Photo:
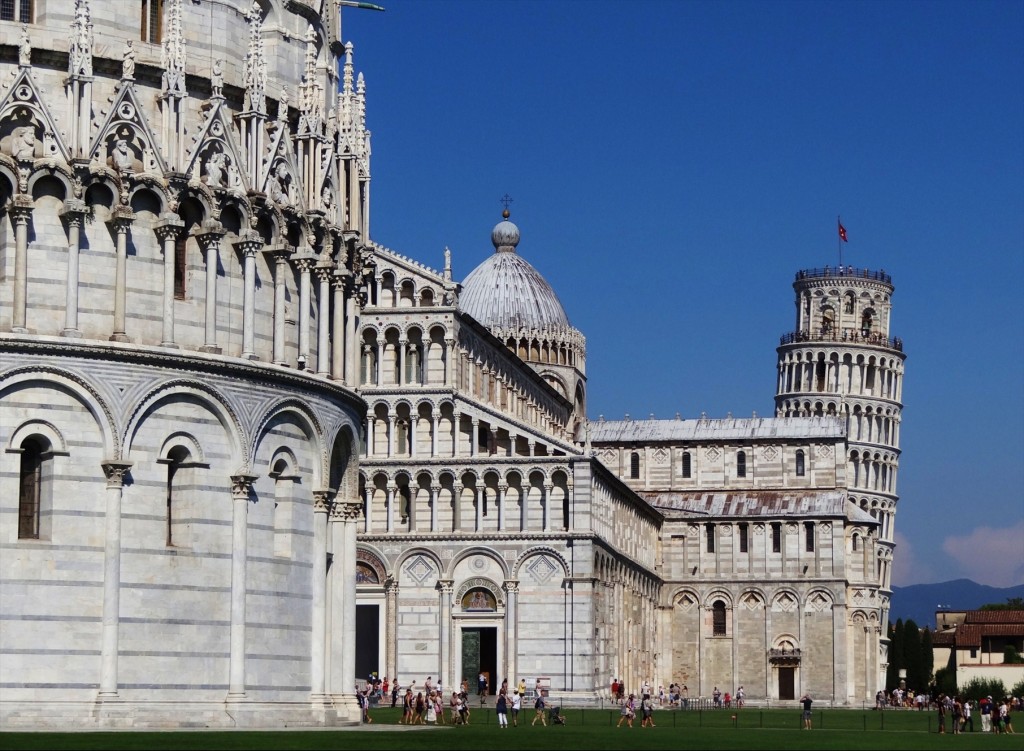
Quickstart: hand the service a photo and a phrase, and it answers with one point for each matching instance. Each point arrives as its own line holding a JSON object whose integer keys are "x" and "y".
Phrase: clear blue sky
{"x": 673, "y": 164}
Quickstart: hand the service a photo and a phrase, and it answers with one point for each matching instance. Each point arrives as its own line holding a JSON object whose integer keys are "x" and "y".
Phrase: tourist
{"x": 806, "y": 701}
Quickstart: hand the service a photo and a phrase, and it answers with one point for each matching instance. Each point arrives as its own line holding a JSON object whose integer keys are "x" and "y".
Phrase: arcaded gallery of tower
{"x": 251, "y": 456}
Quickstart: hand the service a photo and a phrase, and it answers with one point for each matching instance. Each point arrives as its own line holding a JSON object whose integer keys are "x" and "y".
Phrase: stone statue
{"x": 327, "y": 199}
{"x": 25, "y": 50}
{"x": 23, "y": 142}
{"x": 277, "y": 189}
{"x": 217, "y": 78}
{"x": 215, "y": 170}
{"x": 128, "y": 66}
{"x": 234, "y": 177}
{"x": 122, "y": 156}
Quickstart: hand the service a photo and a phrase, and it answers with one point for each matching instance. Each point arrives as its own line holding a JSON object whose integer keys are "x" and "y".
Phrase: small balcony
{"x": 846, "y": 336}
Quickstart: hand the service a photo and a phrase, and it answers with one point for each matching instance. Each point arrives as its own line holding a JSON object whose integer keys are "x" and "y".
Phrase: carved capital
{"x": 324, "y": 271}
{"x": 74, "y": 211}
{"x": 250, "y": 243}
{"x": 511, "y": 586}
{"x": 305, "y": 259}
{"x": 210, "y": 233}
{"x": 169, "y": 227}
{"x": 446, "y": 586}
{"x": 241, "y": 486}
{"x": 115, "y": 471}
{"x": 321, "y": 501}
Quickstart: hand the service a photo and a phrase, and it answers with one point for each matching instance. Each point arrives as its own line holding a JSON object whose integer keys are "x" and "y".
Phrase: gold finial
{"x": 506, "y": 200}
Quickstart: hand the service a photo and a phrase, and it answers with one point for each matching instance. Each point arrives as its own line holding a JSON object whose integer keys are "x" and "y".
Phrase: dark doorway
{"x": 367, "y": 641}
{"x": 480, "y": 655}
{"x": 787, "y": 683}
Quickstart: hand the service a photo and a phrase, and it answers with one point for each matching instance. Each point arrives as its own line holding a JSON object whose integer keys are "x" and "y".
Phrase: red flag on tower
{"x": 842, "y": 232}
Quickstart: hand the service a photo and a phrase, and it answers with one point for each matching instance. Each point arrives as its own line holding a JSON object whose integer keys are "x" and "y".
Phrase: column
{"x": 321, "y": 506}
{"x": 380, "y": 363}
{"x": 369, "y": 508}
{"x": 122, "y": 220}
{"x": 352, "y": 349}
{"x": 546, "y": 504}
{"x": 473, "y": 436}
{"x": 511, "y": 588}
{"x": 449, "y": 364}
{"x": 500, "y": 500}
{"x": 348, "y": 561}
{"x": 391, "y": 506}
{"x": 249, "y": 245}
{"x": 478, "y": 520}
{"x": 434, "y": 490}
{"x": 324, "y": 272}
{"x": 392, "y": 428}
{"x": 241, "y": 488}
{"x": 115, "y": 472}
{"x": 277, "y": 256}
{"x": 339, "y": 278}
{"x": 167, "y": 231}
{"x": 456, "y": 419}
{"x": 413, "y": 419}
{"x": 391, "y": 626}
{"x": 209, "y": 238}
{"x": 435, "y": 417}
{"x": 400, "y": 353}
{"x": 445, "y": 587}
{"x": 371, "y": 437}
{"x": 366, "y": 371}
{"x": 304, "y": 260}
{"x": 21, "y": 212}
{"x": 74, "y": 212}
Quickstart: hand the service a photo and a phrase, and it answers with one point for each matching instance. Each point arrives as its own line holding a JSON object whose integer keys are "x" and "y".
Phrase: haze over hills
{"x": 918, "y": 602}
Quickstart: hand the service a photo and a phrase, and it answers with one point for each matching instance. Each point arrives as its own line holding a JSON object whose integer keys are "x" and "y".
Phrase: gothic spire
{"x": 80, "y": 46}
{"x": 173, "y": 53}
{"x": 255, "y": 64}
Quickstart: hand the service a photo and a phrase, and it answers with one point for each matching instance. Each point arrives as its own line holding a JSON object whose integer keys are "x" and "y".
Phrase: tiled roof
{"x": 760, "y": 503}
{"x": 995, "y": 616}
{"x": 642, "y": 431}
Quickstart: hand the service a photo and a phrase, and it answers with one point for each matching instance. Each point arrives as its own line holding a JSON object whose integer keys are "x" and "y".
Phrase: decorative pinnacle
{"x": 506, "y": 200}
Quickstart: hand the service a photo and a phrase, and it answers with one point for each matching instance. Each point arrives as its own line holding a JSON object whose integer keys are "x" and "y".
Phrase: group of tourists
{"x": 957, "y": 712}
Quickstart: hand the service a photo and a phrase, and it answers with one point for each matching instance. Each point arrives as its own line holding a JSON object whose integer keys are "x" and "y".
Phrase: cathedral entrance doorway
{"x": 367, "y": 641}
{"x": 480, "y": 655}
{"x": 787, "y": 683}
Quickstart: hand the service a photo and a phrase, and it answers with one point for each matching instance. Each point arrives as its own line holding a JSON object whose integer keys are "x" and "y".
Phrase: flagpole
{"x": 839, "y": 240}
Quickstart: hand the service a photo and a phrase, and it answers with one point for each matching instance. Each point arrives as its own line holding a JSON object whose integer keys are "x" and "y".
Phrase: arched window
{"x": 800, "y": 463}
{"x": 744, "y": 536}
{"x": 848, "y": 303}
{"x": 718, "y": 618}
{"x": 865, "y": 323}
{"x": 809, "y": 536}
{"x": 856, "y": 542}
{"x": 151, "y": 21}
{"x": 176, "y": 457}
{"x": 35, "y": 474}
{"x": 776, "y": 537}
{"x": 180, "y": 266}
{"x": 634, "y": 466}
{"x": 741, "y": 464}
{"x": 710, "y": 530}
{"x": 687, "y": 465}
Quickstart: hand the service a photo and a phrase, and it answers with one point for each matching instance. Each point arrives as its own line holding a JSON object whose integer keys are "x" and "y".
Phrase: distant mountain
{"x": 918, "y": 602}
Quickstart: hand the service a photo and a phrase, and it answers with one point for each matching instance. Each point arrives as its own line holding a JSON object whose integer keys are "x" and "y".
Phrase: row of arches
{"x": 511, "y": 500}
{"x": 387, "y": 291}
{"x": 840, "y": 373}
{"x": 439, "y": 429}
{"x": 873, "y": 471}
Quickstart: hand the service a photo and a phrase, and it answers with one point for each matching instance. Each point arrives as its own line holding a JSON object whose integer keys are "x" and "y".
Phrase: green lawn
{"x": 585, "y": 729}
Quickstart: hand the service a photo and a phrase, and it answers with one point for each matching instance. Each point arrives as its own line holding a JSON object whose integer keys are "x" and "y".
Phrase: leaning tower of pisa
{"x": 842, "y": 359}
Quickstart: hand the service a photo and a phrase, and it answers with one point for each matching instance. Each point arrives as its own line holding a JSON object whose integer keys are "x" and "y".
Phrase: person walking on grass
{"x": 806, "y": 701}
{"x": 628, "y": 712}
{"x": 517, "y": 704}
{"x": 647, "y": 709}
{"x": 539, "y": 705}
{"x": 501, "y": 707}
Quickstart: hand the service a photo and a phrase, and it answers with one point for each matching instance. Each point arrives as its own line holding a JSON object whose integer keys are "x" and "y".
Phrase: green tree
{"x": 896, "y": 656}
{"x": 1011, "y": 656}
{"x": 916, "y": 675}
{"x": 927, "y": 656}
{"x": 1012, "y": 603}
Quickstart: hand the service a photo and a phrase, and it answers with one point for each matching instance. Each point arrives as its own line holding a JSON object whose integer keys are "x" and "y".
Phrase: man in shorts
{"x": 806, "y": 701}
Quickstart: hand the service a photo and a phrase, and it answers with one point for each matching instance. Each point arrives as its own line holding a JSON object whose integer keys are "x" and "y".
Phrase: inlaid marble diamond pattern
{"x": 541, "y": 569}
{"x": 419, "y": 569}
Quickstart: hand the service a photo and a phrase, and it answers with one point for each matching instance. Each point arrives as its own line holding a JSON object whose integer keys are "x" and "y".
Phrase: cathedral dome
{"x": 506, "y": 292}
